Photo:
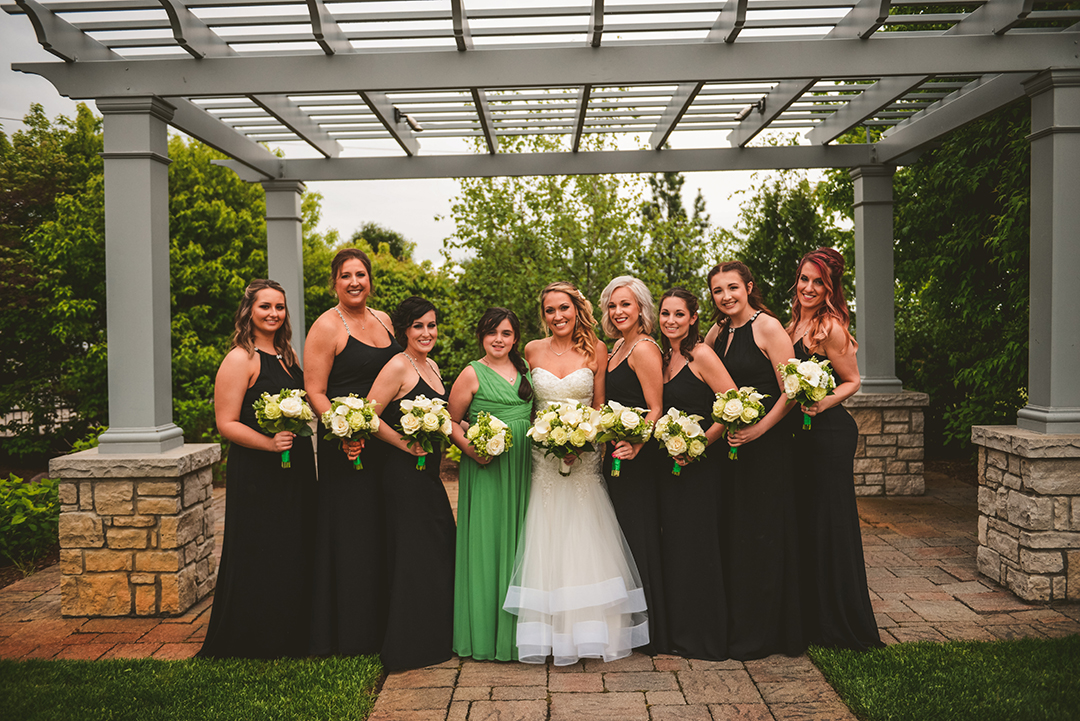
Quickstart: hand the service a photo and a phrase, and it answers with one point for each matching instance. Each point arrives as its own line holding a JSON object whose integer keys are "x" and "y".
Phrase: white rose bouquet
{"x": 284, "y": 411}
{"x": 489, "y": 436}
{"x": 738, "y": 408}
{"x": 565, "y": 428}
{"x": 681, "y": 435}
{"x": 350, "y": 418}
{"x": 807, "y": 382}
{"x": 427, "y": 422}
{"x": 620, "y": 423}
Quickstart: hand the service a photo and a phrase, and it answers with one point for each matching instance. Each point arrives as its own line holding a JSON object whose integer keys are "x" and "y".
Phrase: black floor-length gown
{"x": 694, "y": 593}
{"x": 351, "y": 597}
{"x": 633, "y": 494}
{"x": 421, "y": 538}
{"x": 760, "y": 552}
{"x": 836, "y": 603}
{"x": 263, "y": 596}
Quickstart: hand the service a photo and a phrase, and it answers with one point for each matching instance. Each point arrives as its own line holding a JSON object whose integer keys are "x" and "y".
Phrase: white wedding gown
{"x": 575, "y": 588}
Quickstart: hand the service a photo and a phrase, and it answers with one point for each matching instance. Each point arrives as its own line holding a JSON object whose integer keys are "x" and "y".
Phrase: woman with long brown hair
{"x": 836, "y": 603}
{"x": 262, "y": 599}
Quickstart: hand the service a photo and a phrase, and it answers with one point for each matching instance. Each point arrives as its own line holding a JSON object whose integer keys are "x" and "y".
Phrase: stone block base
{"x": 136, "y": 531}
{"x": 889, "y": 457}
{"x": 1029, "y": 511}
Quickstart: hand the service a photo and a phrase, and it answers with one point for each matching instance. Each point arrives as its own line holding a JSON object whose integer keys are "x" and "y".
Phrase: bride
{"x": 575, "y": 588}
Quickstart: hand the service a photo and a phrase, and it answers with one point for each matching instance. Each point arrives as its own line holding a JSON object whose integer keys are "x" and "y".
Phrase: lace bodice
{"x": 575, "y": 387}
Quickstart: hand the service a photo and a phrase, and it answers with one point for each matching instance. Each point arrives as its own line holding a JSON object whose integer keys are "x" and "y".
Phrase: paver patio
{"x": 920, "y": 557}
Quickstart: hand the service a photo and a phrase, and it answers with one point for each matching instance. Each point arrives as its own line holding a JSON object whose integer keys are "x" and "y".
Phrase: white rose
{"x": 732, "y": 409}
{"x": 407, "y": 406}
{"x": 559, "y": 436}
{"x": 271, "y": 410}
{"x": 473, "y": 432}
{"x": 430, "y": 422}
{"x": 718, "y": 407}
{"x": 410, "y": 423}
{"x": 445, "y": 428}
{"x": 339, "y": 426}
{"x": 676, "y": 446}
{"x": 356, "y": 420}
{"x": 810, "y": 371}
{"x": 497, "y": 425}
{"x": 607, "y": 420}
{"x": 496, "y": 445}
{"x": 791, "y": 385}
{"x": 579, "y": 438}
{"x": 748, "y": 414}
{"x": 291, "y": 407}
{"x": 630, "y": 419}
{"x": 696, "y": 448}
{"x": 353, "y": 402}
{"x": 306, "y": 414}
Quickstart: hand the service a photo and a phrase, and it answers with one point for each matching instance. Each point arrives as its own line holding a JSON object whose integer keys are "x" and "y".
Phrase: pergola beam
{"x": 729, "y": 23}
{"x": 769, "y": 109}
{"x": 581, "y": 112}
{"x": 427, "y": 71}
{"x": 487, "y": 121}
{"x": 596, "y": 23}
{"x": 681, "y": 100}
{"x": 61, "y": 38}
{"x": 384, "y": 110}
{"x": 863, "y": 20}
{"x": 978, "y": 98}
{"x": 191, "y": 119}
{"x": 871, "y": 101}
{"x": 462, "y": 35}
{"x": 327, "y": 32}
{"x": 192, "y": 34}
{"x": 995, "y": 17}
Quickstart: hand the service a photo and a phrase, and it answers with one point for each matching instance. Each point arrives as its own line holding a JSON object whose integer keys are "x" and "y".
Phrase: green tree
{"x": 375, "y": 235}
{"x": 679, "y": 251}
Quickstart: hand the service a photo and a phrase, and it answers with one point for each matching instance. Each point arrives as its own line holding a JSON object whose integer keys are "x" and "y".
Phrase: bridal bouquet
{"x": 350, "y": 418}
{"x": 620, "y": 423}
{"x": 807, "y": 382}
{"x": 427, "y": 422}
{"x": 284, "y": 411}
{"x": 489, "y": 436}
{"x": 737, "y": 409}
{"x": 681, "y": 435}
{"x": 565, "y": 428}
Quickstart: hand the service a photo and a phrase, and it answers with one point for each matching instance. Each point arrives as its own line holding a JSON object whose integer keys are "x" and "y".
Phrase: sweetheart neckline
{"x": 562, "y": 378}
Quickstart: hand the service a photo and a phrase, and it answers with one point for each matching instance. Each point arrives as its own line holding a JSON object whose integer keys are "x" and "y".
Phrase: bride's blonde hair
{"x": 583, "y": 335}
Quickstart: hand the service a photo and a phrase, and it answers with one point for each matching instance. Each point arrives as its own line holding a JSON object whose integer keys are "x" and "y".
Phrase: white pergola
{"x": 237, "y": 73}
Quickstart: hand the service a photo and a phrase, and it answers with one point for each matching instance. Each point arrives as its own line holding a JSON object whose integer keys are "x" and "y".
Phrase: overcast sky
{"x": 407, "y": 206}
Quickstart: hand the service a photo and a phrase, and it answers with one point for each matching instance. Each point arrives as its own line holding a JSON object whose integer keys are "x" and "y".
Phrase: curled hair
{"x": 693, "y": 333}
{"x": 583, "y": 336}
{"x": 244, "y": 329}
{"x": 830, "y": 264}
{"x": 646, "y": 307}
{"x": 351, "y": 254}
{"x": 489, "y": 323}
{"x": 408, "y": 311}
{"x": 753, "y": 295}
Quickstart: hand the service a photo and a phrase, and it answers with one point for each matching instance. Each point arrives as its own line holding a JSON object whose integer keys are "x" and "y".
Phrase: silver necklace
{"x": 551, "y": 346}
{"x": 360, "y": 320}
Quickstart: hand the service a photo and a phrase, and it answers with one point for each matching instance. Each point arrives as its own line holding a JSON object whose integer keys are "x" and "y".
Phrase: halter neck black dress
{"x": 351, "y": 599}
{"x": 634, "y": 496}
{"x": 757, "y": 508}
{"x": 836, "y": 603}
{"x": 421, "y": 538}
{"x": 693, "y": 563}
{"x": 262, "y": 600}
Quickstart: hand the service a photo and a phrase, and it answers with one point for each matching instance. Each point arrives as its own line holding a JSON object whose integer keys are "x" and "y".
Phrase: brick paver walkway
{"x": 920, "y": 557}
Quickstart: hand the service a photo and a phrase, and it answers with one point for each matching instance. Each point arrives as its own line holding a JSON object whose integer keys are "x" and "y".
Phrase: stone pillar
{"x": 137, "y": 276}
{"x": 874, "y": 280}
{"x": 1054, "y": 331}
{"x": 136, "y": 531}
{"x": 889, "y": 457}
{"x": 1029, "y": 511}
{"x": 285, "y": 249}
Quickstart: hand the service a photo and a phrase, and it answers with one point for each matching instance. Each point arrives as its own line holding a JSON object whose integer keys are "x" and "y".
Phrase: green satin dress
{"x": 492, "y": 500}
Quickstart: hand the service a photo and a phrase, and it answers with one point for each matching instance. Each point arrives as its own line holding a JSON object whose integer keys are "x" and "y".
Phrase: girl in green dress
{"x": 493, "y": 492}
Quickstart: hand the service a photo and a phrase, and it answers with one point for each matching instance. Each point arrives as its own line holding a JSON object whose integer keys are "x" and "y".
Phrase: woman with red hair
{"x": 836, "y": 603}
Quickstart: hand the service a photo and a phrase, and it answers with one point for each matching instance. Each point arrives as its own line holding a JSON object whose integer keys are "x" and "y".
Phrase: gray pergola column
{"x": 874, "y": 280}
{"x": 137, "y": 276}
{"x": 285, "y": 249}
{"x": 1054, "y": 325}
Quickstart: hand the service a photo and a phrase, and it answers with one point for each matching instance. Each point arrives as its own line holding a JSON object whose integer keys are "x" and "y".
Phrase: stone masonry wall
{"x": 889, "y": 457}
{"x": 136, "y": 531}
{"x": 1029, "y": 511}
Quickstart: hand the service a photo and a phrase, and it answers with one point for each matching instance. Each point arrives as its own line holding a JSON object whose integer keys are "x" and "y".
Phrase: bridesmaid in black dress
{"x": 421, "y": 535}
{"x": 262, "y": 600}
{"x": 346, "y": 348}
{"x": 757, "y": 495}
{"x": 694, "y": 592}
{"x": 836, "y": 604}
{"x": 634, "y": 379}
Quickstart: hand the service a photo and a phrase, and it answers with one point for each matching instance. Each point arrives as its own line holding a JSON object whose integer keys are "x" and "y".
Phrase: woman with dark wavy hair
{"x": 835, "y": 597}
{"x": 262, "y": 599}
{"x": 493, "y": 491}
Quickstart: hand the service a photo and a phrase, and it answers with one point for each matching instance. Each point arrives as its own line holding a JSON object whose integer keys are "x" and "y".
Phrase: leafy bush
{"x": 29, "y": 519}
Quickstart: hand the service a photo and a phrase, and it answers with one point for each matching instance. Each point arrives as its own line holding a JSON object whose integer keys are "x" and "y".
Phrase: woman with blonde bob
{"x": 261, "y": 603}
{"x": 635, "y": 380}
{"x": 574, "y": 588}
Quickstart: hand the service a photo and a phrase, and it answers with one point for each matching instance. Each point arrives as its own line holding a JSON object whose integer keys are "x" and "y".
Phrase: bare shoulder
{"x": 770, "y": 327}
{"x": 238, "y": 365}
{"x": 467, "y": 376}
{"x": 532, "y": 348}
{"x": 710, "y": 337}
{"x": 599, "y": 356}
{"x": 383, "y": 316}
{"x": 648, "y": 348}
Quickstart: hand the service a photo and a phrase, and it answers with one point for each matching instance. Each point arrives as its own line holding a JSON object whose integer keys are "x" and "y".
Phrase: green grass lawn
{"x": 146, "y": 690}
{"x": 1022, "y": 680}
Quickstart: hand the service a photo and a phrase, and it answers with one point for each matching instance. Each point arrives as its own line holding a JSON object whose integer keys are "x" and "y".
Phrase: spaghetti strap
{"x": 338, "y": 310}
{"x": 383, "y": 325}
{"x": 648, "y": 338}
